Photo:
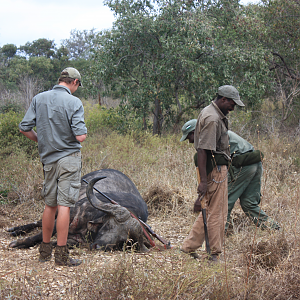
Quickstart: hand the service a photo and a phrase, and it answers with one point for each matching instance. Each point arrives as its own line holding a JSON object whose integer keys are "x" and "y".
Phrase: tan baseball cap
{"x": 72, "y": 73}
{"x": 230, "y": 92}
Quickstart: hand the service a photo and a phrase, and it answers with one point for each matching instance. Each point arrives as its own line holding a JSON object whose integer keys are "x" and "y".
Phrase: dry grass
{"x": 255, "y": 264}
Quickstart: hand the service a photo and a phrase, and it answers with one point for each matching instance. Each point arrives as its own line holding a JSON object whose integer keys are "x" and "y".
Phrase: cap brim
{"x": 183, "y": 138}
{"x": 239, "y": 102}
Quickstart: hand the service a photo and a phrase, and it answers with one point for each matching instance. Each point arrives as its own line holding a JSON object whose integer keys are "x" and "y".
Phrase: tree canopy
{"x": 167, "y": 58}
{"x": 163, "y": 59}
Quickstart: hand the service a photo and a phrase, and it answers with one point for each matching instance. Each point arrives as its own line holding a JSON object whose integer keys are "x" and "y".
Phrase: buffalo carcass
{"x": 104, "y": 225}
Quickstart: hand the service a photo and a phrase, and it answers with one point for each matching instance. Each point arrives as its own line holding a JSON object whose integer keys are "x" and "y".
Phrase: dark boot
{"x": 214, "y": 258}
{"x": 62, "y": 257}
{"x": 193, "y": 254}
{"x": 45, "y": 252}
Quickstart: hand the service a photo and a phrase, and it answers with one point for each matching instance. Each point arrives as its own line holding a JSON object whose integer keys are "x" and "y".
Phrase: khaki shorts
{"x": 62, "y": 181}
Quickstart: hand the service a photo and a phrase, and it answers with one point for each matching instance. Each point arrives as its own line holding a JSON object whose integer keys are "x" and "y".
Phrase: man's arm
{"x": 202, "y": 157}
{"x": 81, "y": 138}
{"x": 30, "y": 134}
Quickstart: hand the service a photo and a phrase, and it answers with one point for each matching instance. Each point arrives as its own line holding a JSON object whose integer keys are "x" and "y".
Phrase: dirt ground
{"x": 56, "y": 282}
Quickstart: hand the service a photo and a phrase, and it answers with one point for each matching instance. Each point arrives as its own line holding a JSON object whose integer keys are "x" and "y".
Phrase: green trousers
{"x": 246, "y": 185}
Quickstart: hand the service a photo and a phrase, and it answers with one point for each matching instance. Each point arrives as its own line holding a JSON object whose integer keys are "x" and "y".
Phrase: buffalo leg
{"x": 29, "y": 241}
{"x": 21, "y": 230}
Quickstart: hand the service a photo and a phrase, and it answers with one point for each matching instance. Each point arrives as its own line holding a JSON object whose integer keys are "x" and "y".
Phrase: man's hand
{"x": 197, "y": 204}
{"x": 81, "y": 138}
{"x": 30, "y": 134}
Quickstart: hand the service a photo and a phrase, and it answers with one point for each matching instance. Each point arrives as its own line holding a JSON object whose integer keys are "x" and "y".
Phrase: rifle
{"x": 167, "y": 244}
{"x": 203, "y": 209}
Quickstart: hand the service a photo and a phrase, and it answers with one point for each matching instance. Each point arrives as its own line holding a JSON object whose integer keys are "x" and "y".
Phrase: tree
{"x": 282, "y": 38}
{"x": 166, "y": 59}
{"x": 40, "y": 47}
{"x": 80, "y": 43}
{"x": 9, "y": 50}
{"x": 149, "y": 58}
{"x": 29, "y": 86}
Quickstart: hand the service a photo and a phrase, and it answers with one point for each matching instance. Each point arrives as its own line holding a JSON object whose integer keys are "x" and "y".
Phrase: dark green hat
{"x": 188, "y": 127}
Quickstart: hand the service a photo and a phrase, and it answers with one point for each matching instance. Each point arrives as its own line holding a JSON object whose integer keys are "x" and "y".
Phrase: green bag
{"x": 212, "y": 161}
{"x": 238, "y": 161}
{"x": 247, "y": 159}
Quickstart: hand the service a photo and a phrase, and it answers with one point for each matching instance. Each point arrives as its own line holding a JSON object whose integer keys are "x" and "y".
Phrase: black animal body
{"x": 103, "y": 225}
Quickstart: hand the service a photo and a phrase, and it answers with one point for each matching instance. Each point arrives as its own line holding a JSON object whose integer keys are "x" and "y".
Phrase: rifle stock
{"x": 167, "y": 245}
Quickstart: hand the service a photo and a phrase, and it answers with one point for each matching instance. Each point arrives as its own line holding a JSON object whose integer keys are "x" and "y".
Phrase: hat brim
{"x": 238, "y": 102}
{"x": 183, "y": 138}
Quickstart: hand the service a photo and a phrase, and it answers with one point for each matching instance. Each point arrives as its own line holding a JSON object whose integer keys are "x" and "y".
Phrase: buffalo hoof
{"x": 13, "y": 232}
{"x": 13, "y": 244}
{"x": 143, "y": 249}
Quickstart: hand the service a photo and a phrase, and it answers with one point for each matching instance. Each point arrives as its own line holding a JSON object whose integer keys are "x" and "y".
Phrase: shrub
{"x": 10, "y": 106}
{"x": 110, "y": 119}
{"x": 97, "y": 118}
{"x": 12, "y": 140}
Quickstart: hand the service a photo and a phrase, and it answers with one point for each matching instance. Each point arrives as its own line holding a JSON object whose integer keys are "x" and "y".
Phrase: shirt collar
{"x": 218, "y": 110}
{"x": 58, "y": 86}
{"x": 222, "y": 116}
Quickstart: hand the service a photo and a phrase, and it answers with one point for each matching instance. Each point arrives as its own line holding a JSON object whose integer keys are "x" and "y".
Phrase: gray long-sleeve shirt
{"x": 59, "y": 118}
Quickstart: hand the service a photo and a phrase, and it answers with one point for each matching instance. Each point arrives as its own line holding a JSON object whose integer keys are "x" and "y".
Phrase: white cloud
{"x": 26, "y": 21}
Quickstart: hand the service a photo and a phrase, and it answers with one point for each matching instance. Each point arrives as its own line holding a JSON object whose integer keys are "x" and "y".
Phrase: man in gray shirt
{"x": 60, "y": 128}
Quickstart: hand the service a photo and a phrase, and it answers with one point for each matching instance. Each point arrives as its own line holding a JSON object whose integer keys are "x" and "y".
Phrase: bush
{"x": 10, "y": 106}
{"x": 110, "y": 119}
{"x": 12, "y": 140}
{"x": 97, "y": 118}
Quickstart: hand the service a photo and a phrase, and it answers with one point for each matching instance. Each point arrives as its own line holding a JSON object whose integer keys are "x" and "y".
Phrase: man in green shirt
{"x": 244, "y": 182}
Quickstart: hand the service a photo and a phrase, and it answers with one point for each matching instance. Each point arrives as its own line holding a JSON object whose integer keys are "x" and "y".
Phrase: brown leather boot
{"x": 62, "y": 257}
{"x": 193, "y": 254}
{"x": 45, "y": 252}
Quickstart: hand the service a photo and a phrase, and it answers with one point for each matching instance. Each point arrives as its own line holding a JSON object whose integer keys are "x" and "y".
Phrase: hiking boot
{"x": 192, "y": 254}
{"x": 214, "y": 258}
{"x": 62, "y": 257}
{"x": 45, "y": 252}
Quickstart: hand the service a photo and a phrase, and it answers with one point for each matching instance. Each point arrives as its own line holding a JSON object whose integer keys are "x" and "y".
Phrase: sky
{"x": 23, "y": 21}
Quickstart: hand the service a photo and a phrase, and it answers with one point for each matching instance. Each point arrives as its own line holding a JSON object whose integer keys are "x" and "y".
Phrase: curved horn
{"x": 96, "y": 203}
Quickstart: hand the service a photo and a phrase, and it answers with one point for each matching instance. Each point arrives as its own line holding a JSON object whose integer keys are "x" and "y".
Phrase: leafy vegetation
{"x": 165, "y": 59}
{"x": 12, "y": 140}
